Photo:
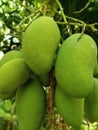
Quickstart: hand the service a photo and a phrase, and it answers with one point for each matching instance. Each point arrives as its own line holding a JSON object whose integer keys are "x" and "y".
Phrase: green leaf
{"x": 1, "y": 36}
{"x": 7, "y": 105}
{"x": 95, "y": 1}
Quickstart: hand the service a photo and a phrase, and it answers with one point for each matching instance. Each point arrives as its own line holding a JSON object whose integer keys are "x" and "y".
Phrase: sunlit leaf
{"x": 1, "y": 37}
{"x": 96, "y": 1}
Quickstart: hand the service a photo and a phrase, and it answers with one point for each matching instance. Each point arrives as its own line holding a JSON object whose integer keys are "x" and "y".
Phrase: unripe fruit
{"x": 75, "y": 64}
{"x": 13, "y": 74}
{"x": 39, "y": 44}
{"x": 10, "y": 56}
{"x": 91, "y": 103}
{"x": 30, "y": 105}
{"x": 71, "y": 109}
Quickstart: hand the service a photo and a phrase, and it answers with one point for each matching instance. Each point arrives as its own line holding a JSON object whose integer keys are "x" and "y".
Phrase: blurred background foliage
{"x": 71, "y": 16}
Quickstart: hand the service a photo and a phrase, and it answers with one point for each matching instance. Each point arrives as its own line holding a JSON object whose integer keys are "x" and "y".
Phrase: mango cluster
{"x": 76, "y": 69}
{"x": 25, "y": 73}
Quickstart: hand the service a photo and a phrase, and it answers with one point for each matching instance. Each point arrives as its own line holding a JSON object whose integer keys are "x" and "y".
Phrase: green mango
{"x": 10, "y": 56}
{"x": 71, "y": 109}
{"x": 75, "y": 64}
{"x": 39, "y": 44}
{"x": 30, "y": 105}
{"x": 91, "y": 103}
{"x": 13, "y": 74}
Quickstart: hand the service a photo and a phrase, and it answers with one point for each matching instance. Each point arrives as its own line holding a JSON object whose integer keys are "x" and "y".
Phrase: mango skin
{"x": 13, "y": 74}
{"x": 39, "y": 44}
{"x": 10, "y": 56}
{"x": 75, "y": 63}
{"x": 71, "y": 109}
{"x": 91, "y": 104}
{"x": 30, "y": 105}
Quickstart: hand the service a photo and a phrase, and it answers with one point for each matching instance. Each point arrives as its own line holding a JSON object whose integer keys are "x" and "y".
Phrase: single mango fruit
{"x": 30, "y": 105}
{"x": 71, "y": 109}
{"x": 13, "y": 74}
{"x": 10, "y": 56}
{"x": 75, "y": 64}
{"x": 39, "y": 44}
{"x": 91, "y": 103}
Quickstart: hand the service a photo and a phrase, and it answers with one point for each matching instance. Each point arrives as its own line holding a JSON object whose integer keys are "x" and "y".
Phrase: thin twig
{"x": 75, "y": 20}
{"x": 80, "y": 23}
{"x": 64, "y": 17}
{"x": 85, "y": 7}
{"x": 50, "y": 100}
{"x": 26, "y": 7}
{"x": 9, "y": 124}
{"x": 50, "y": 94}
{"x": 28, "y": 17}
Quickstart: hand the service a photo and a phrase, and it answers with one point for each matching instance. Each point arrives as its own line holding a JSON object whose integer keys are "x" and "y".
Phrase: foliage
{"x": 71, "y": 16}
